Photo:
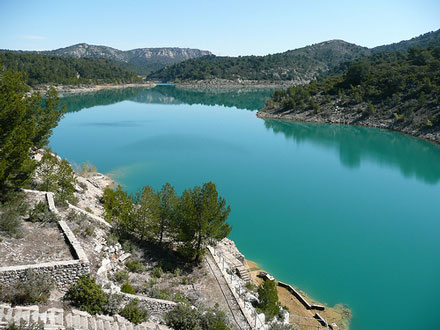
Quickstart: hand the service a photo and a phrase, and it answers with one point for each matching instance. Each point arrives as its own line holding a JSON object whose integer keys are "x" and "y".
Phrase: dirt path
{"x": 234, "y": 308}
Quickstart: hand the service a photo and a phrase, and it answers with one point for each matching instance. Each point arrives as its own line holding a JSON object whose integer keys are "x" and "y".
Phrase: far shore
{"x": 338, "y": 119}
{"x": 64, "y": 90}
{"x": 225, "y": 83}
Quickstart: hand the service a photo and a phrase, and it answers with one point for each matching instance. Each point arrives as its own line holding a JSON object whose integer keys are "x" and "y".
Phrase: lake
{"x": 348, "y": 214}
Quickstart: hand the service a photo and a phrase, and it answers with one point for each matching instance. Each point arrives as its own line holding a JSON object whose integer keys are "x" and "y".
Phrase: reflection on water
{"x": 355, "y": 144}
{"x": 241, "y": 98}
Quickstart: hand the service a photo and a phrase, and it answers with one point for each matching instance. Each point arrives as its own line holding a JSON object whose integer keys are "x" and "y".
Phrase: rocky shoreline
{"x": 227, "y": 255}
{"x": 64, "y": 90}
{"x": 354, "y": 119}
{"x": 225, "y": 83}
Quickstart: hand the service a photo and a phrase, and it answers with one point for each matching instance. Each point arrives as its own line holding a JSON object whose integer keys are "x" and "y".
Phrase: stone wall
{"x": 63, "y": 273}
{"x": 152, "y": 305}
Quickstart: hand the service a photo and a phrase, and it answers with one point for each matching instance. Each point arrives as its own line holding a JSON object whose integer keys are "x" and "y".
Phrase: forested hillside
{"x": 42, "y": 69}
{"x": 300, "y": 65}
{"x": 398, "y": 90}
{"x": 422, "y": 41}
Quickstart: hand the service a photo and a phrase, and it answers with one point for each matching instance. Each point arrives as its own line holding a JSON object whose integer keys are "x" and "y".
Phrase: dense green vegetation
{"x": 268, "y": 299}
{"x": 55, "y": 175}
{"x": 43, "y": 69}
{"x": 400, "y": 86}
{"x": 189, "y": 221}
{"x": 184, "y": 317}
{"x": 299, "y": 65}
{"x": 134, "y": 313}
{"x": 24, "y": 126}
{"x": 88, "y": 296}
{"x": 423, "y": 41}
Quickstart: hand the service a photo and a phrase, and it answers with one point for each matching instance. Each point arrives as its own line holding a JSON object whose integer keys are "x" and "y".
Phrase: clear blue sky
{"x": 237, "y": 27}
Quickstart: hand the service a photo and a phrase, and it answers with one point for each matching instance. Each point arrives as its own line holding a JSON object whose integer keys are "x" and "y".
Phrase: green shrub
{"x": 157, "y": 272}
{"x": 34, "y": 288}
{"x": 10, "y": 223}
{"x": 183, "y": 317}
{"x": 280, "y": 326}
{"x": 87, "y": 168}
{"x": 87, "y": 295}
{"x": 370, "y": 109}
{"x": 113, "y": 301}
{"x": 112, "y": 239}
{"x": 121, "y": 276}
{"x": 134, "y": 313}
{"x": 150, "y": 283}
{"x": 12, "y": 206}
{"x": 159, "y": 294}
{"x": 135, "y": 265}
{"x": 398, "y": 116}
{"x": 88, "y": 231}
{"x": 251, "y": 286}
{"x": 31, "y": 326}
{"x": 177, "y": 272}
{"x": 180, "y": 298}
{"x": 41, "y": 213}
{"x": 167, "y": 266}
{"x": 127, "y": 288}
{"x": 268, "y": 299}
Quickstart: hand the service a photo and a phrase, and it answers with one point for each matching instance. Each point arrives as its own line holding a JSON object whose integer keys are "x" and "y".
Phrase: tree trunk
{"x": 199, "y": 244}
{"x": 161, "y": 232}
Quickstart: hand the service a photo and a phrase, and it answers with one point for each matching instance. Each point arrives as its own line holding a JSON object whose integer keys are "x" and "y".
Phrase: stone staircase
{"x": 238, "y": 266}
{"x": 56, "y": 318}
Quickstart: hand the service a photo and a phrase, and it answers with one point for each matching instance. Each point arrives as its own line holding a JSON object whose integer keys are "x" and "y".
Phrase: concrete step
{"x": 42, "y": 318}
{"x": 35, "y": 313}
{"x": 57, "y": 315}
{"x": 100, "y": 324}
{"x": 68, "y": 320}
{"x": 50, "y": 317}
{"x": 56, "y": 318}
{"x": 92, "y": 323}
{"x": 16, "y": 315}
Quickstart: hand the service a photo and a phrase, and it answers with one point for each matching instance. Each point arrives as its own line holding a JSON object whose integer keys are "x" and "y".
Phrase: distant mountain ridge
{"x": 422, "y": 41}
{"x": 140, "y": 60}
{"x": 298, "y": 66}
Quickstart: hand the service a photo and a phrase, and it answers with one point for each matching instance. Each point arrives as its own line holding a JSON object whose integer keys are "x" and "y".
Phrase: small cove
{"x": 347, "y": 214}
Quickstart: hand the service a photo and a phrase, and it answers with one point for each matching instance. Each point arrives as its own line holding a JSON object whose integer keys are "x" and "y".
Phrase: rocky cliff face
{"x": 141, "y": 59}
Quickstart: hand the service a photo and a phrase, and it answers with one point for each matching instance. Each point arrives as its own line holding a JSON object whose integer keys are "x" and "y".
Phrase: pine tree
{"x": 24, "y": 125}
{"x": 202, "y": 217}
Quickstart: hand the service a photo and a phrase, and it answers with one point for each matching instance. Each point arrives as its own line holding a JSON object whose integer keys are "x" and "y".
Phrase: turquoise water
{"x": 348, "y": 214}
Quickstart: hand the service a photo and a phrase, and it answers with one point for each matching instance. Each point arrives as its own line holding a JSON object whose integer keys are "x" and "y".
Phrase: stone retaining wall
{"x": 63, "y": 273}
{"x": 152, "y": 305}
